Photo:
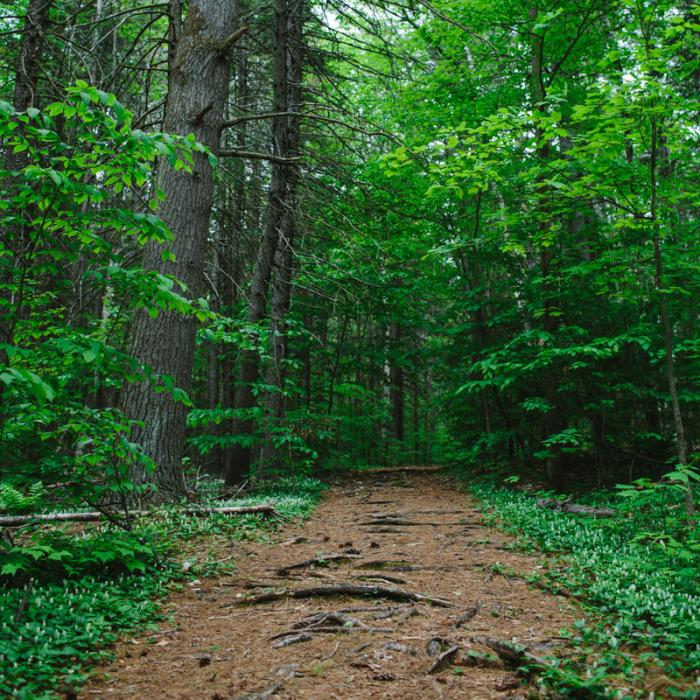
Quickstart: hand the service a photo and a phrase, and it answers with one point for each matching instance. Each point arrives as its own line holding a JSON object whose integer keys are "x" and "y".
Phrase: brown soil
{"x": 220, "y": 648}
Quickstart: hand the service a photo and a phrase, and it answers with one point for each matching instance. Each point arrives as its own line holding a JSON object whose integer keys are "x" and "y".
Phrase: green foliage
{"x": 51, "y": 633}
{"x": 636, "y": 573}
{"x": 78, "y": 192}
{"x": 66, "y": 597}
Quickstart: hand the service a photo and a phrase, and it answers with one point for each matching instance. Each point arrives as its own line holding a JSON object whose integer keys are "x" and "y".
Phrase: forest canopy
{"x": 249, "y": 240}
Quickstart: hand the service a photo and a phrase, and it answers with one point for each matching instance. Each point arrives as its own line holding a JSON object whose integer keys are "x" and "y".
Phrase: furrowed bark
{"x": 195, "y": 105}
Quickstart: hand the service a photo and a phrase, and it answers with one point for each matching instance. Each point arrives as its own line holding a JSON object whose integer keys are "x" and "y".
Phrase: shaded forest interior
{"x": 265, "y": 239}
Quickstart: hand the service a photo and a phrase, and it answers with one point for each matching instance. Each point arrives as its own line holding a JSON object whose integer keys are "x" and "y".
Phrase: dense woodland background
{"x": 247, "y": 244}
{"x": 247, "y": 238}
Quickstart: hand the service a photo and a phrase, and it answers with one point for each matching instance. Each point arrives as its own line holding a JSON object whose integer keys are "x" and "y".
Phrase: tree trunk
{"x": 25, "y": 95}
{"x": 396, "y": 384}
{"x": 553, "y": 419}
{"x": 174, "y": 31}
{"x": 241, "y": 454}
{"x": 166, "y": 343}
{"x": 666, "y": 326}
{"x": 36, "y": 24}
{"x": 284, "y": 257}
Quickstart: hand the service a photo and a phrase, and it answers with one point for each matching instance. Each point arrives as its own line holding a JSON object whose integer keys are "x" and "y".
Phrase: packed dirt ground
{"x": 392, "y": 589}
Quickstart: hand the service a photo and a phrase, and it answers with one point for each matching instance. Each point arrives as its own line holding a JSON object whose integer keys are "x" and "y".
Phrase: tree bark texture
{"x": 195, "y": 104}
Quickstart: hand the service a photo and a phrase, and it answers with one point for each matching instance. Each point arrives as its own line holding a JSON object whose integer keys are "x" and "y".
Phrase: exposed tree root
{"x": 290, "y": 639}
{"x": 319, "y": 560}
{"x": 467, "y": 615}
{"x": 343, "y": 589}
{"x": 380, "y": 577}
{"x": 398, "y": 522}
{"x": 514, "y": 656}
{"x": 390, "y": 564}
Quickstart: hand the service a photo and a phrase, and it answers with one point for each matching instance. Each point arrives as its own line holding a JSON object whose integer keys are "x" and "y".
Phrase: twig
{"x": 333, "y": 653}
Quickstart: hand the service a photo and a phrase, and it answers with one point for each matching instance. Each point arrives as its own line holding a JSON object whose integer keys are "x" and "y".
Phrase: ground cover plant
{"x": 65, "y": 596}
{"x": 637, "y": 575}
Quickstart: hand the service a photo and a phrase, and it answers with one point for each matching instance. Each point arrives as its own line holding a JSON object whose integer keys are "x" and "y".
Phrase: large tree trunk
{"x": 248, "y": 375}
{"x": 195, "y": 104}
{"x": 231, "y": 257}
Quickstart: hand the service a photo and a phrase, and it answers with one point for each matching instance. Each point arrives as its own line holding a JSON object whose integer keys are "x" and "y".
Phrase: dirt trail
{"x": 410, "y": 531}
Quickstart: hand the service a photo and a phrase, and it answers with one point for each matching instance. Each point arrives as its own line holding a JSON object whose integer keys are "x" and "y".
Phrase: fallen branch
{"x": 284, "y": 673}
{"x": 335, "y": 629}
{"x": 330, "y": 617}
{"x": 391, "y": 565}
{"x": 401, "y": 470}
{"x": 342, "y": 589}
{"x": 320, "y": 560}
{"x": 19, "y": 520}
{"x": 575, "y": 508}
{"x": 292, "y": 639}
{"x": 444, "y": 659}
{"x": 467, "y": 615}
{"x": 514, "y": 656}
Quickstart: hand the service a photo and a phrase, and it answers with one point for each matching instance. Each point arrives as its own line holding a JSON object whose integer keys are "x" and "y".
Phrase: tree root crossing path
{"x": 392, "y": 589}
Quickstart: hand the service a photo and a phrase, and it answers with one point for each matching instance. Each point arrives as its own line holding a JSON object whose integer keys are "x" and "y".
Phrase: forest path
{"x": 408, "y": 530}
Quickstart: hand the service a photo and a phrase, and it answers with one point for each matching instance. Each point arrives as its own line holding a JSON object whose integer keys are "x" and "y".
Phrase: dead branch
{"x": 514, "y": 656}
{"x": 342, "y": 589}
{"x": 467, "y": 615}
{"x": 575, "y": 508}
{"x": 19, "y": 520}
{"x": 444, "y": 659}
{"x": 253, "y": 155}
{"x": 395, "y": 565}
{"x": 380, "y": 577}
{"x": 288, "y": 640}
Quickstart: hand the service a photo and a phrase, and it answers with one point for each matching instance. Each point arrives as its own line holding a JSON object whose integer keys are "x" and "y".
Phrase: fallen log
{"x": 431, "y": 469}
{"x": 342, "y": 589}
{"x": 575, "y": 508}
{"x": 84, "y": 517}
